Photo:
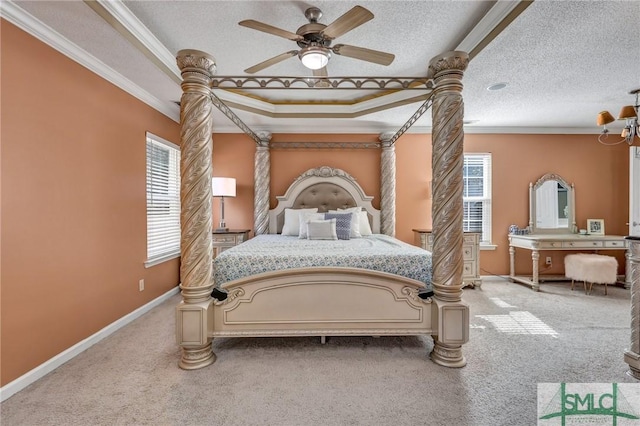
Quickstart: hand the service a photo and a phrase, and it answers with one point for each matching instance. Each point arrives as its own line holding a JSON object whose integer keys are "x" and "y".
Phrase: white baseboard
{"x": 47, "y": 367}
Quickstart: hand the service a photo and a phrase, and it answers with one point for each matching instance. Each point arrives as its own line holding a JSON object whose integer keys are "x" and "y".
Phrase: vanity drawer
{"x": 550, "y": 244}
{"x": 620, "y": 244}
{"x": 583, "y": 244}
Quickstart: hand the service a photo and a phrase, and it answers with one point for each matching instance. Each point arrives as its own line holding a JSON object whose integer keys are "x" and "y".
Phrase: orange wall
{"x": 73, "y": 203}
{"x": 600, "y": 174}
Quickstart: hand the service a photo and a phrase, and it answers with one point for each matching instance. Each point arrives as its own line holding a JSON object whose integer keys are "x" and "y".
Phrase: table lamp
{"x": 223, "y": 187}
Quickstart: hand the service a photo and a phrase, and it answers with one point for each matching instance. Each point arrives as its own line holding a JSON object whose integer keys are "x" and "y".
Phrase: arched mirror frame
{"x": 571, "y": 206}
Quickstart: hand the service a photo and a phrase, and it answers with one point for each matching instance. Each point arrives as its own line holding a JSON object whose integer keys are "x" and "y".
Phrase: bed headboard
{"x": 327, "y": 189}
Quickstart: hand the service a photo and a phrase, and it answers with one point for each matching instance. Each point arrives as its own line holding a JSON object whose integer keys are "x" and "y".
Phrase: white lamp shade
{"x": 223, "y": 187}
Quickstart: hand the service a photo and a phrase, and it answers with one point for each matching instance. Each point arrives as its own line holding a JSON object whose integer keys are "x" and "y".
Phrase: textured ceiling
{"x": 564, "y": 61}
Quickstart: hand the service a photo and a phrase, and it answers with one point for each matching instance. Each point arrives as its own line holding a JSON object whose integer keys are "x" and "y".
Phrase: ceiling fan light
{"x": 627, "y": 111}
{"x": 314, "y": 57}
{"x": 604, "y": 117}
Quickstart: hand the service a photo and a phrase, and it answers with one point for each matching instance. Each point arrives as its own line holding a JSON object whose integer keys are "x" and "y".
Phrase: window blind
{"x": 477, "y": 195}
{"x": 163, "y": 200}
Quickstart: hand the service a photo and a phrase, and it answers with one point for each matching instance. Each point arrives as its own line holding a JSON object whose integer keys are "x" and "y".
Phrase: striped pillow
{"x": 343, "y": 224}
{"x": 321, "y": 230}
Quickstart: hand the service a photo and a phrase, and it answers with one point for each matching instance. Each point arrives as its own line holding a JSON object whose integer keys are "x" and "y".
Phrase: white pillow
{"x": 292, "y": 221}
{"x": 355, "y": 220}
{"x": 305, "y": 217}
{"x": 365, "y": 226}
{"x": 322, "y": 229}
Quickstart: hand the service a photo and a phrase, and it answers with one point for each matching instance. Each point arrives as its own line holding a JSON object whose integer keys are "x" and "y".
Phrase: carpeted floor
{"x": 519, "y": 338}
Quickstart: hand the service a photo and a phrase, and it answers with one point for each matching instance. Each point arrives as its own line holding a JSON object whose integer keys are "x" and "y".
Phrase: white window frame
{"x": 485, "y": 160}
{"x": 163, "y": 202}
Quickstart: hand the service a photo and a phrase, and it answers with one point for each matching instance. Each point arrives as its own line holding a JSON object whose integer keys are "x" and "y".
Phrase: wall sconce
{"x": 629, "y": 113}
{"x": 223, "y": 187}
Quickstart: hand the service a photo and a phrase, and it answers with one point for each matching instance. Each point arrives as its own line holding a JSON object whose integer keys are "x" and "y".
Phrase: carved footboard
{"x": 321, "y": 302}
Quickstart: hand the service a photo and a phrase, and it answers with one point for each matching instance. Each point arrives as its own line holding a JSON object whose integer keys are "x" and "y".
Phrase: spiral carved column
{"x": 196, "y": 146}
{"x": 387, "y": 186}
{"x": 261, "y": 182}
{"x": 632, "y": 355}
{"x": 447, "y": 163}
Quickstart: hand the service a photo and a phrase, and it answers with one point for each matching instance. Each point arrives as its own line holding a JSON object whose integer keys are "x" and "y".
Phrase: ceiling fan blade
{"x": 270, "y": 29}
{"x": 363, "y": 54}
{"x": 355, "y": 17}
{"x": 322, "y": 72}
{"x": 262, "y": 65}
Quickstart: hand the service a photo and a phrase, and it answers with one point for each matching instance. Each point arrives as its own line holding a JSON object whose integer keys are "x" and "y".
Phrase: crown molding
{"x": 25, "y": 21}
{"x": 497, "y": 19}
{"x": 130, "y": 27}
{"x": 532, "y": 130}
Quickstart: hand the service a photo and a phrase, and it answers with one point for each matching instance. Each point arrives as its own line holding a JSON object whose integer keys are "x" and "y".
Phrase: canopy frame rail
{"x": 322, "y": 83}
{"x": 391, "y": 84}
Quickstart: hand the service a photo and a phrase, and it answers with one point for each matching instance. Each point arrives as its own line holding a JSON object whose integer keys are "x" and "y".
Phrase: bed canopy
{"x": 443, "y": 87}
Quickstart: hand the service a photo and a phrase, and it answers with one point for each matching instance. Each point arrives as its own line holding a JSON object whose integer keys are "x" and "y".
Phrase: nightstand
{"x": 470, "y": 254}
{"x": 223, "y": 240}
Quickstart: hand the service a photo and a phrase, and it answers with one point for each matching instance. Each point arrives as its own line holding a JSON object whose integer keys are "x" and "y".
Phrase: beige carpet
{"x": 132, "y": 378}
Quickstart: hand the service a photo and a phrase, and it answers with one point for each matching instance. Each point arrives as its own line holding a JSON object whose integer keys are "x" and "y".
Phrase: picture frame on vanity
{"x": 595, "y": 226}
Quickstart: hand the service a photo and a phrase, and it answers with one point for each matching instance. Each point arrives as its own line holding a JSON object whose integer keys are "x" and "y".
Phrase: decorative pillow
{"x": 355, "y": 220}
{"x": 322, "y": 229}
{"x": 292, "y": 221}
{"x": 305, "y": 217}
{"x": 343, "y": 224}
{"x": 365, "y": 226}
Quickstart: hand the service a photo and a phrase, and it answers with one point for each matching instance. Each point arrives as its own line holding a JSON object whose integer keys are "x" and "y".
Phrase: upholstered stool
{"x": 591, "y": 268}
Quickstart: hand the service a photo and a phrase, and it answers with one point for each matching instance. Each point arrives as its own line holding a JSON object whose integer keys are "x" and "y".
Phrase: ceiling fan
{"x": 315, "y": 40}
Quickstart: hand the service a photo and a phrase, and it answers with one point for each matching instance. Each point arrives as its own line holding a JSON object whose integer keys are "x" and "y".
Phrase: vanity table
{"x": 552, "y": 226}
{"x": 540, "y": 242}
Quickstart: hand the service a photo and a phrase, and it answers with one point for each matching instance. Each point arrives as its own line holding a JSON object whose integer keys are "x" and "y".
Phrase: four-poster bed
{"x": 289, "y": 286}
{"x": 321, "y": 300}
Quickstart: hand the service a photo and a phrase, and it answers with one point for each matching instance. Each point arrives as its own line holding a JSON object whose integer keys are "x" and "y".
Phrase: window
{"x": 477, "y": 195}
{"x": 163, "y": 200}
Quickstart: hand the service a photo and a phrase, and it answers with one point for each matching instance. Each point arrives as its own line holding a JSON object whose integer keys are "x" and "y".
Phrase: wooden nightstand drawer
{"x": 470, "y": 239}
{"x": 224, "y": 240}
{"x": 470, "y": 253}
{"x": 468, "y": 270}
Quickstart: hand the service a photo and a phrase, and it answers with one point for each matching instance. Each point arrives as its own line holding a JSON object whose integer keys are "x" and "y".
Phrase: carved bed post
{"x": 261, "y": 182}
{"x": 632, "y": 355}
{"x": 387, "y": 185}
{"x": 447, "y": 161}
{"x": 196, "y": 148}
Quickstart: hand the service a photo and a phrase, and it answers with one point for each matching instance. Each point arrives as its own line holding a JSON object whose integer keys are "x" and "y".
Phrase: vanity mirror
{"x": 551, "y": 206}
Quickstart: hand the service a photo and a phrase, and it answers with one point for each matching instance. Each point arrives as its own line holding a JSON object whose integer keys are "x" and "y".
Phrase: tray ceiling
{"x": 563, "y": 61}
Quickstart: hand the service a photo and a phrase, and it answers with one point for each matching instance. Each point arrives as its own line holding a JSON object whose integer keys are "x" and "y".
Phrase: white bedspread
{"x": 272, "y": 252}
